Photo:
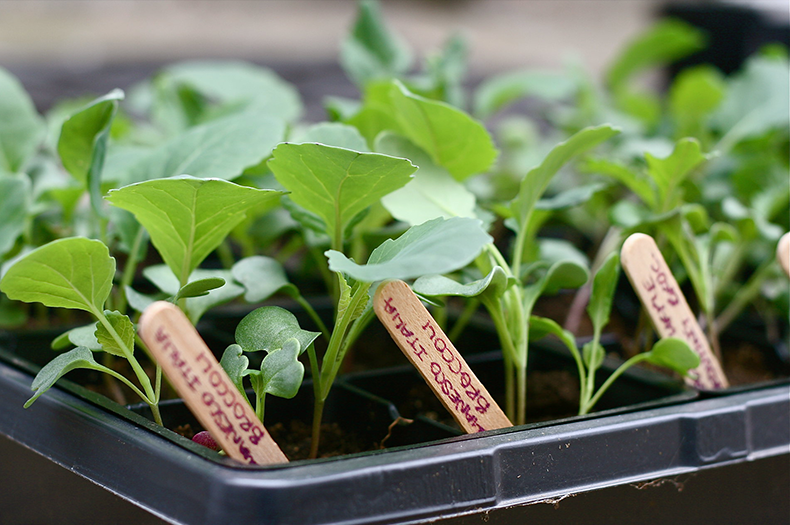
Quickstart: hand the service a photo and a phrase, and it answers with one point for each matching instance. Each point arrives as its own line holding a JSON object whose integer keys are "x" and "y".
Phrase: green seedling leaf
{"x": 67, "y": 273}
{"x": 16, "y": 191}
{"x": 554, "y": 250}
{"x": 268, "y": 328}
{"x": 452, "y": 138}
{"x": 498, "y": 92}
{"x": 694, "y": 95}
{"x": 493, "y": 285}
{"x": 670, "y": 172}
{"x": 540, "y": 327}
{"x": 139, "y": 301}
{"x": 281, "y": 371}
{"x": 560, "y": 275}
{"x": 336, "y": 183}
{"x": 80, "y": 336}
{"x": 602, "y": 294}
{"x": 187, "y": 218}
{"x": 674, "y": 354}
{"x": 240, "y": 84}
{"x": 199, "y": 288}
{"x": 219, "y": 149}
{"x": 372, "y": 51}
{"x": 122, "y": 326}
{"x": 432, "y": 193}
{"x": 633, "y": 181}
{"x": 570, "y": 198}
{"x": 437, "y": 246}
{"x": 235, "y": 363}
{"x": 535, "y": 182}
{"x": 83, "y": 143}
{"x": 593, "y": 355}
{"x": 165, "y": 280}
{"x": 334, "y": 134}
{"x": 261, "y": 276}
{"x": 80, "y": 357}
{"x": 756, "y": 99}
{"x": 21, "y": 128}
{"x": 665, "y": 42}
{"x": 445, "y": 72}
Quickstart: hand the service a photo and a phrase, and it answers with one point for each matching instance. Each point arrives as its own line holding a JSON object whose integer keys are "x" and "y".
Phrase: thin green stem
{"x": 130, "y": 268}
{"x": 301, "y": 301}
{"x": 611, "y": 379}
{"x": 745, "y": 295}
{"x": 463, "y": 320}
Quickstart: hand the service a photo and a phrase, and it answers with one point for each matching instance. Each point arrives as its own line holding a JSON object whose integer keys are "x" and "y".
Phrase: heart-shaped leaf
{"x": 268, "y": 328}
{"x": 235, "y": 364}
{"x": 187, "y": 218}
{"x": 435, "y": 247}
{"x": 67, "y": 273}
{"x": 337, "y": 183}
{"x": 281, "y": 371}
{"x": 80, "y": 357}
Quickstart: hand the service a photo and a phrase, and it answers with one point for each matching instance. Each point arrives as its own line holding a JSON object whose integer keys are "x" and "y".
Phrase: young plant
{"x": 336, "y": 185}
{"x": 511, "y": 297}
{"x": 671, "y": 353}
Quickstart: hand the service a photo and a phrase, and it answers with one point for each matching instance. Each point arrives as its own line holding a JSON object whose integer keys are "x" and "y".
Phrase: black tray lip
{"x": 690, "y": 428}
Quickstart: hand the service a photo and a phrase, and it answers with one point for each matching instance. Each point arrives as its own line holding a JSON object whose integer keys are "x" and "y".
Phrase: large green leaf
{"x": 80, "y": 357}
{"x": 15, "y": 190}
{"x": 68, "y": 273}
{"x": 239, "y": 83}
{"x": 268, "y": 328}
{"x": 21, "y": 128}
{"x": 665, "y": 42}
{"x": 83, "y": 142}
{"x": 451, "y": 137}
{"x": 537, "y": 179}
{"x": 187, "y": 218}
{"x": 337, "y": 183}
{"x": 372, "y": 51}
{"x": 434, "y": 247}
{"x": 432, "y": 193}
{"x": 219, "y": 149}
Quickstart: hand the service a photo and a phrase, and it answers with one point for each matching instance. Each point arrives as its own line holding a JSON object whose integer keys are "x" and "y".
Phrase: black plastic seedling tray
{"x": 504, "y": 473}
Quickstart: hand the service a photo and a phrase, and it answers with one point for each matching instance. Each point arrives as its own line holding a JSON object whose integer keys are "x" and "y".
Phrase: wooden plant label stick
{"x": 431, "y": 352}
{"x": 659, "y": 292}
{"x": 205, "y": 387}
{"x": 783, "y": 253}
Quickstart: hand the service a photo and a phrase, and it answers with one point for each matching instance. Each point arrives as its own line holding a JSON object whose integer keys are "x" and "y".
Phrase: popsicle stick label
{"x": 668, "y": 309}
{"x": 783, "y": 253}
{"x": 431, "y": 352}
{"x": 205, "y": 387}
